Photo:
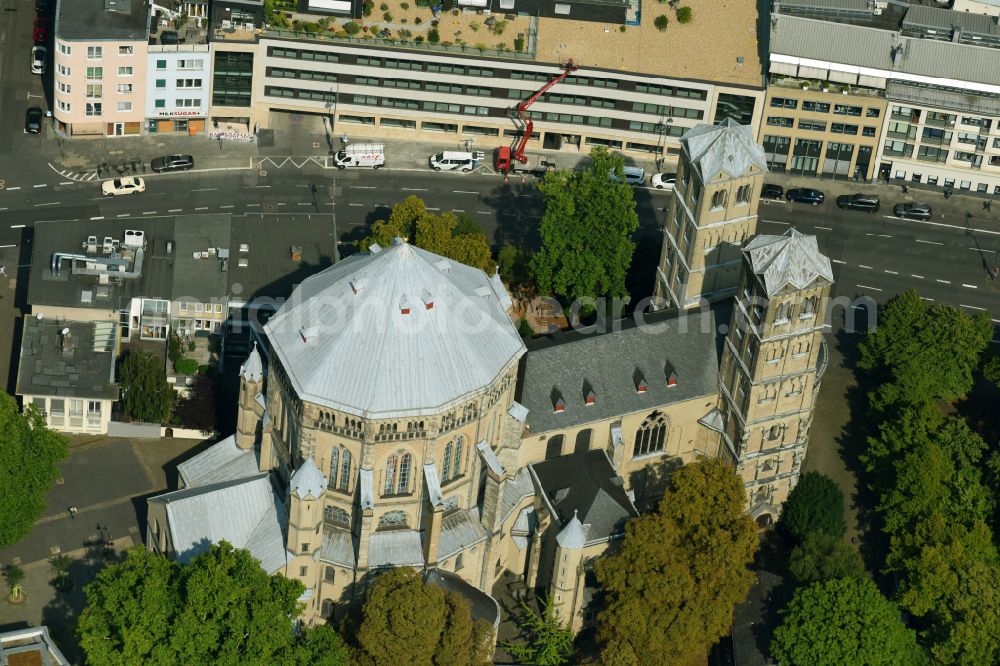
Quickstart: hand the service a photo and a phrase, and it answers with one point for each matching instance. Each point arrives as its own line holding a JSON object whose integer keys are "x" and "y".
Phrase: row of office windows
{"x": 823, "y": 107}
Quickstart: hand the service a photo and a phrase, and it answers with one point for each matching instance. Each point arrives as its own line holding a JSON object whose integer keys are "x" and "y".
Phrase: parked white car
{"x": 664, "y": 181}
{"x": 119, "y": 186}
{"x": 38, "y": 54}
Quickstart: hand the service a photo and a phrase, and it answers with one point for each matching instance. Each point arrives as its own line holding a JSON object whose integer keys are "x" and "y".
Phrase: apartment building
{"x": 394, "y": 83}
{"x": 179, "y": 64}
{"x": 905, "y": 93}
{"x": 100, "y": 67}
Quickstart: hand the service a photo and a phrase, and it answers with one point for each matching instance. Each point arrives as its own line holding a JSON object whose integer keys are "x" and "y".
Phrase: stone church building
{"x": 394, "y": 416}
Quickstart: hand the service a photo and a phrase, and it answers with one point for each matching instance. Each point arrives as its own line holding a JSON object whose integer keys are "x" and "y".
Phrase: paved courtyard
{"x": 108, "y": 480}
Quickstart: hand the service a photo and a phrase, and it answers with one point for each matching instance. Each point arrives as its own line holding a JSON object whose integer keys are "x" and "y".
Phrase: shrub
{"x": 404, "y": 6}
{"x": 186, "y": 366}
{"x": 405, "y": 34}
{"x": 661, "y": 23}
{"x": 369, "y": 7}
{"x": 475, "y": 26}
{"x": 519, "y": 43}
{"x": 352, "y": 28}
{"x": 433, "y": 36}
{"x": 417, "y": 21}
{"x": 174, "y": 349}
{"x": 325, "y": 22}
{"x": 524, "y": 328}
{"x": 387, "y": 17}
{"x": 191, "y": 346}
{"x": 621, "y": 28}
{"x": 482, "y": 47}
{"x": 684, "y": 15}
{"x": 383, "y": 7}
{"x": 499, "y": 27}
{"x": 419, "y": 39}
{"x": 404, "y": 20}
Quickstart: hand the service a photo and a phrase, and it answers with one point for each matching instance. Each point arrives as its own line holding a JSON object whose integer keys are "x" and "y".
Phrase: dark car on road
{"x": 912, "y": 211}
{"x": 805, "y": 195}
{"x": 776, "y": 192}
{"x": 172, "y": 163}
{"x": 868, "y": 203}
{"x": 33, "y": 120}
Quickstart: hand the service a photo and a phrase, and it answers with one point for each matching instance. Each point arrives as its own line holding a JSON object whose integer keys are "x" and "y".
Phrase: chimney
{"x": 404, "y": 305}
{"x": 67, "y": 342}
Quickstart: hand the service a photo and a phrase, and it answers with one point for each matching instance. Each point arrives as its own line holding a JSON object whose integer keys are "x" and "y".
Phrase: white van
{"x": 452, "y": 161}
{"x": 370, "y": 155}
{"x": 633, "y": 176}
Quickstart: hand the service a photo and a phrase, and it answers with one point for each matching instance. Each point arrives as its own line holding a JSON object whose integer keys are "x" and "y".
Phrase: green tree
{"x": 319, "y": 646}
{"x": 661, "y": 22}
{"x": 816, "y": 503}
{"x": 29, "y": 458}
{"x": 547, "y": 642}
{"x": 467, "y": 226}
{"x": 222, "y": 608}
{"x": 672, "y": 586}
{"x": 434, "y": 232}
{"x": 131, "y": 607}
{"x": 145, "y": 392}
{"x": 684, "y": 15}
{"x": 514, "y": 266}
{"x": 61, "y": 564}
{"x": 13, "y": 574}
{"x": 589, "y": 218}
{"x": 844, "y": 621}
{"x": 824, "y": 556}
{"x": 426, "y": 626}
{"x": 923, "y": 353}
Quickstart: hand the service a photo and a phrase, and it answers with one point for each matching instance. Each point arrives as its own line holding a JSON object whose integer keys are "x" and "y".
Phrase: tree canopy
{"x": 824, "y": 556}
{"x": 816, "y": 503}
{"x": 458, "y": 238}
{"x": 546, "y": 641}
{"x": 405, "y": 621}
{"x": 29, "y": 458}
{"x": 586, "y": 231}
{"x": 844, "y": 621}
{"x": 146, "y": 395}
{"x": 222, "y": 608}
{"x": 672, "y": 586}
{"x": 198, "y": 409}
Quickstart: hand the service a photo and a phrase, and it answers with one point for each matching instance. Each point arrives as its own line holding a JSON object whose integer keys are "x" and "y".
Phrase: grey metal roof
{"x": 524, "y": 527}
{"x": 91, "y": 20}
{"x": 460, "y": 530}
{"x": 608, "y": 364}
{"x": 78, "y": 365}
{"x": 223, "y": 461}
{"x": 367, "y": 478}
{"x": 201, "y": 243}
{"x": 714, "y": 420}
{"x": 585, "y": 486}
{"x": 434, "y": 495}
{"x": 483, "y": 606}
{"x": 489, "y": 457}
{"x": 338, "y": 547}
{"x": 245, "y": 512}
{"x": 963, "y": 102}
{"x": 936, "y": 17}
{"x": 574, "y": 535}
{"x": 518, "y": 411}
{"x": 514, "y": 491}
{"x": 792, "y": 259}
{"x": 727, "y": 149}
{"x": 873, "y": 48}
{"x": 307, "y": 481}
{"x": 397, "y": 333}
{"x": 395, "y": 548}
{"x": 252, "y": 368}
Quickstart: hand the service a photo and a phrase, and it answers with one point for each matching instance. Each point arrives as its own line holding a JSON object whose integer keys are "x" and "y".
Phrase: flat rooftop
{"x": 706, "y": 49}
{"x": 96, "y": 20}
{"x": 68, "y": 358}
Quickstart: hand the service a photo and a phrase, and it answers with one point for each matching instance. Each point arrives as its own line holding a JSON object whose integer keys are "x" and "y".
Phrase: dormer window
{"x": 404, "y": 305}
{"x": 672, "y": 380}
{"x": 558, "y": 404}
{"x": 357, "y": 284}
{"x": 590, "y": 398}
{"x": 308, "y": 334}
{"x": 428, "y": 300}
{"x": 640, "y": 381}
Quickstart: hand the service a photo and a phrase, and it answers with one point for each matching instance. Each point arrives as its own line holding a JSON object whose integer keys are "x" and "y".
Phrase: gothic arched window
{"x": 456, "y": 469}
{"x": 392, "y": 519}
{"x": 337, "y": 516}
{"x": 403, "y": 483}
{"x": 651, "y": 435}
{"x": 719, "y": 199}
{"x": 345, "y": 470}
{"x": 397, "y": 473}
{"x": 446, "y": 463}
{"x": 327, "y": 608}
{"x": 390, "y": 475}
{"x": 331, "y": 482}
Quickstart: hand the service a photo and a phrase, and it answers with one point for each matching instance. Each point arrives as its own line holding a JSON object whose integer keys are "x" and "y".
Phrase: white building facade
{"x": 177, "y": 90}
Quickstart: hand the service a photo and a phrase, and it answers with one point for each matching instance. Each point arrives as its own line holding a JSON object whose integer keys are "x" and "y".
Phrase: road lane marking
{"x": 864, "y": 286}
{"x": 914, "y": 275}
{"x": 838, "y": 261}
{"x": 206, "y": 189}
{"x": 891, "y": 272}
{"x": 258, "y": 187}
{"x": 484, "y": 212}
{"x": 879, "y": 235}
{"x": 457, "y": 210}
{"x": 863, "y": 266}
{"x": 955, "y": 226}
{"x": 201, "y": 208}
{"x": 929, "y": 242}
{"x": 355, "y": 204}
{"x": 66, "y": 182}
{"x": 824, "y": 228}
{"x": 925, "y": 298}
{"x": 11, "y": 189}
{"x": 175, "y": 210}
{"x": 969, "y": 286}
{"x": 463, "y": 192}
{"x": 433, "y": 209}
{"x": 414, "y": 189}
{"x": 228, "y": 206}
{"x": 17, "y": 226}
{"x": 149, "y": 212}
{"x": 124, "y": 214}
{"x": 42, "y": 185}
{"x": 256, "y": 204}
{"x": 3, "y": 246}
{"x": 361, "y": 187}
{"x": 944, "y": 281}
{"x": 304, "y": 203}
{"x": 50, "y": 203}
{"x": 971, "y": 307}
{"x": 978, "y": 249}
{"x": 99, "y": 217}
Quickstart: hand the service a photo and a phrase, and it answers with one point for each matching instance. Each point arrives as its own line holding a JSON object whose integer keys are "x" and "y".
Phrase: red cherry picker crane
{"x": 504, "y": 155}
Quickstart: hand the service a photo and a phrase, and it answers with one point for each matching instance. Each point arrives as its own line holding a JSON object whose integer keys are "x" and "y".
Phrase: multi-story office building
{"x": 180, "y": 69}
{"x": 100, "y": 67}
{"x": 907, "y": 93}
{"x": 636, "y": 89}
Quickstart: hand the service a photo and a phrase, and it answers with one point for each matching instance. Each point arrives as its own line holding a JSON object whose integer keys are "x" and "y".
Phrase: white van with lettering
{"x": 365, "y": 155}
{"x": 452, "y": 161}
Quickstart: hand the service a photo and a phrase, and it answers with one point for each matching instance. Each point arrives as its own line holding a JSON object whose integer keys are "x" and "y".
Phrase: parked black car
{"x": 912, "y": 211}
{"x": 805, "y": 195}
{"x": 868, "y": 203}
{"x": 172, "y": 163}
{"x": 772, "y": 192}
{"x": 33, "y": 120}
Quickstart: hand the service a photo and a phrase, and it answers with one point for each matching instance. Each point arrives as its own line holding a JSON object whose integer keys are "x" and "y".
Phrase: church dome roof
{"x": 394, "y": 332}
{"x": 307, "y": 481}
